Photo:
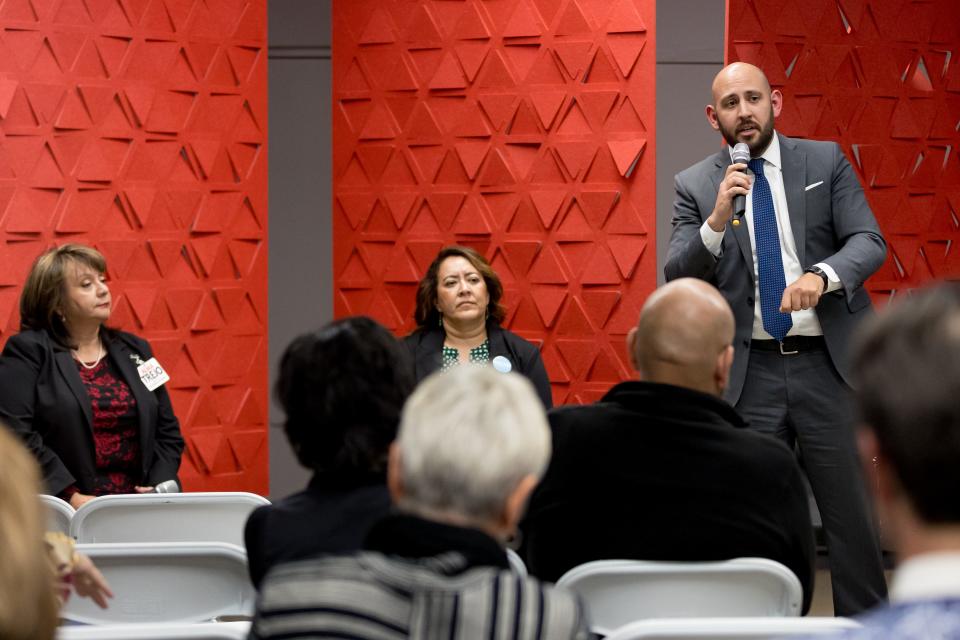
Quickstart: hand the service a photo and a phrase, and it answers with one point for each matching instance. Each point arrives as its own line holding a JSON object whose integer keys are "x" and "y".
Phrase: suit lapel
{"x": 498, "y": 344}
{"x": 121, "y": 356}
{"x": 740, "y": 231}
{"x": 429, "y": 356}
{"x": 68, "y": 369}
{"x": 794, "y": 179}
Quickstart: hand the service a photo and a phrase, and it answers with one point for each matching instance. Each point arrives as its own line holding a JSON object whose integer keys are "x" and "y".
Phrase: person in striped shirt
{"x": 472, "y": 445}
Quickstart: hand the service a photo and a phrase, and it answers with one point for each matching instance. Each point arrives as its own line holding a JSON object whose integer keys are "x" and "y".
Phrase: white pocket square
{"x": 811, "y": 186}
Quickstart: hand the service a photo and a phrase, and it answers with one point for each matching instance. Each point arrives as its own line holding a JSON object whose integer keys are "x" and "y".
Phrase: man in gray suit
{"x": 792, "y": 268}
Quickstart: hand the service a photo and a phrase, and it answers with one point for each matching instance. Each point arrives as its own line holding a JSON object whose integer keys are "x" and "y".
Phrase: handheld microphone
{"x": 167, "y": 486}
{"x": 741, "y": 154}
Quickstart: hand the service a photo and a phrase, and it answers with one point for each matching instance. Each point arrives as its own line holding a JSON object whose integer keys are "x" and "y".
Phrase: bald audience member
{"x": 661, "y": 468}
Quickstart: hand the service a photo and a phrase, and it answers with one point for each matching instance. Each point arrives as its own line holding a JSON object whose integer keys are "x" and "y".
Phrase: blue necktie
{"x": 769, "y": 258}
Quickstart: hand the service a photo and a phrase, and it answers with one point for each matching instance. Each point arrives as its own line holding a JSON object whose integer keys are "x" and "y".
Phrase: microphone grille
{"x": 741, "y": 153}
{"x": 167, "y": 486}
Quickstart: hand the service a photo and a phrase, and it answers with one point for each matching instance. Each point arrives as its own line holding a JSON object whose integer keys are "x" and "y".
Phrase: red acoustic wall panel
{"x": 523, "y": 128}
{"x": 882, "y": 78}
{"x": 140, "y": 127}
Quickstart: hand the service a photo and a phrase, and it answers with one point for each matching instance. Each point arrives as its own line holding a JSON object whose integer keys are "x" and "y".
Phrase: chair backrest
{"x": 167, "y": 582}
{"x": 59, "y": 513}
{"x": 165, "y": 517}
{"x": 197, "y": 631}
{"x": 516, "y": 563}
{"x": 729, "y": 628}
{"x": 616, "y": 592}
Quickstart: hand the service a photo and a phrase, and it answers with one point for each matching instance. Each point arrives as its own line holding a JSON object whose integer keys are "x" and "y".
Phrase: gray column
{"x": 689, "y": 55}
{"x": 301, "y": 282}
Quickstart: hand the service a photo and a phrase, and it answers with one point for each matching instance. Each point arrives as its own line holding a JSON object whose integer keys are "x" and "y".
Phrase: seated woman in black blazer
{"x": 458, "y": 318}
{"x": 70, "y": 386}
{"x": 342, "y": 389}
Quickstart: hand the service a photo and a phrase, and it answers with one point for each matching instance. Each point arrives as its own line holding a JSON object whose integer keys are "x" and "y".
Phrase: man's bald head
{"x": 735, "y": 74}
{"x": 684, "y": 337}
{"x": 744, "y": 107}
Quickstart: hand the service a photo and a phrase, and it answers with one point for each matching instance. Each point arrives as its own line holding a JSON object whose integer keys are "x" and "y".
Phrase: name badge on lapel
{"x": 152, "y": 374}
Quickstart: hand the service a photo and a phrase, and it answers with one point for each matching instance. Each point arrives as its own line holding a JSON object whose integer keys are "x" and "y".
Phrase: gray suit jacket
{"x": 831, "y": 222}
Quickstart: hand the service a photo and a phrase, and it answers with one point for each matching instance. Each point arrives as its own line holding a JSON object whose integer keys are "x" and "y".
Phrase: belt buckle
{"x": 786, "y": 353}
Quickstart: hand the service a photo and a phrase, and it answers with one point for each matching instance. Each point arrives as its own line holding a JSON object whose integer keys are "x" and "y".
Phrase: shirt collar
{"x": 670, "y": 400}
{"x": 771, "y": 155}
{"x": 927, "y": 576}
{"x": 415, "y": 538}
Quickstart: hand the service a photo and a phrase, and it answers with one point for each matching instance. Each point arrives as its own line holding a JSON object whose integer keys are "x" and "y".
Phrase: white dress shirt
{"x": 927, "y": 576}
{"x": 805, "y": 323}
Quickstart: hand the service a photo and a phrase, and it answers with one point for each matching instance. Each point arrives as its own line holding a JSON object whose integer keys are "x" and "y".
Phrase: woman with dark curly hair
{"x": 458, "y": 318}
{"x": 342, "y": 389}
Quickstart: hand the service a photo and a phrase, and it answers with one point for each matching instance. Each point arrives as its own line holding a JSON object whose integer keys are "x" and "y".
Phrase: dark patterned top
{"x": 114, "y": 429}
{"x": 479, "y": 355}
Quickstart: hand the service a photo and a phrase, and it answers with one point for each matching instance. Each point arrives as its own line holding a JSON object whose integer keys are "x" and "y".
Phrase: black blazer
{"x": 426, "y": 347}
{"x": 43, "y": 399}
{"x": 331, "y": 516}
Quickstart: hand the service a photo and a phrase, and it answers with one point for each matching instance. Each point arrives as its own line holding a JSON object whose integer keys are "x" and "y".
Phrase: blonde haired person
{"x": 73, "y": 390}
{"x": 28, "y": 606}
{"x": 36, "y": 571}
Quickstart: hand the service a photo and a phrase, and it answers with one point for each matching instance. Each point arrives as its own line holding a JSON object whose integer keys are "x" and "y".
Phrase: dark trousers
{"x": 802, "y": 399}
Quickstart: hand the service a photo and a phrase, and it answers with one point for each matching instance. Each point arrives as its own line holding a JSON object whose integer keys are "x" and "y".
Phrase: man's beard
{"x": 759, "y": 145}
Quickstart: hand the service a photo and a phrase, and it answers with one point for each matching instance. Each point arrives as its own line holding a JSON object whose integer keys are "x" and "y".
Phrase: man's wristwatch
{"x": 820, "y": 272}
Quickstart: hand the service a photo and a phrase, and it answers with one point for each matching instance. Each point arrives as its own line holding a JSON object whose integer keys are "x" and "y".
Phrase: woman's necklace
{"x": 102, "y": 352}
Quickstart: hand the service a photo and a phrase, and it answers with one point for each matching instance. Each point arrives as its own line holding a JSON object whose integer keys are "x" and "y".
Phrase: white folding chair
{"x": 165, "y": 517}
{"x": 59, "y": 513}
{"x": 729, "y": 628}
{"x": 617, "y": 592}
{"x": 516, "y": 563}
{"x": 167, "y": 582}
{"x": 197, "y": 631}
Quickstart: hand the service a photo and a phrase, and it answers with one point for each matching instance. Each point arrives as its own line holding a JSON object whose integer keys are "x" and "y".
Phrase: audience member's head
{"x": 342, "y": 389}
{"x": 28, "y": 605}
{"x": 472, "y": 445}
{"x": 684, "y": 337}
{"x": 908, "y": 388}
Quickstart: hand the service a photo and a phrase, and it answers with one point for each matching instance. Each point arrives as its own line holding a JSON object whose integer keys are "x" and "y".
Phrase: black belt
{"x": 791, "y": 344}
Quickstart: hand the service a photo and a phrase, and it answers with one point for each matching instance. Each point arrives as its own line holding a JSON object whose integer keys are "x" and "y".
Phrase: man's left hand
{"x": 803, "y": 294}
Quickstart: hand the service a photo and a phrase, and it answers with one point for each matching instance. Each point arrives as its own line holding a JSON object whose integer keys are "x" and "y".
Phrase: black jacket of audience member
{"x": 659, "y": 472}
{"x": 331, "y": 516}
{"x": 44, "y": 400}
{"x": 426, "y": 347}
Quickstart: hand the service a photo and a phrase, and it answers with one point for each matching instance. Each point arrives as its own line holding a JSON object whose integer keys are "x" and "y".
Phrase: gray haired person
{"x": 472, "y": 445}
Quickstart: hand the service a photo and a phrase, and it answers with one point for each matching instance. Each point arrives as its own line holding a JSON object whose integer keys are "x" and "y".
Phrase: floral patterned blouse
{"x": 479, "y": 355}
{"x": 115, "y": 429}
